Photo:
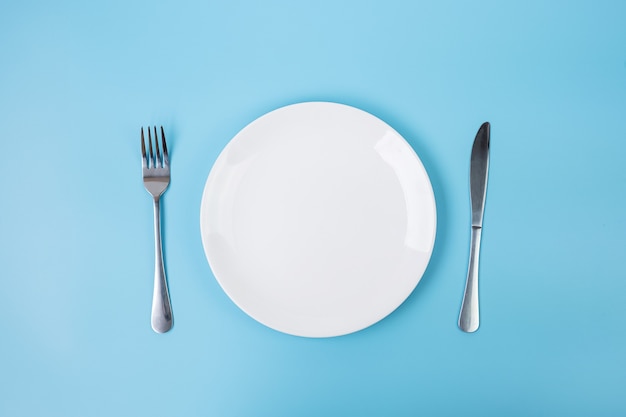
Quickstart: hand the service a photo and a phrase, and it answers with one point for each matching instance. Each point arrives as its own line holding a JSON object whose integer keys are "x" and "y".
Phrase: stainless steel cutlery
{"x": 479, "y": 166}
{"x": 156, "y": 178}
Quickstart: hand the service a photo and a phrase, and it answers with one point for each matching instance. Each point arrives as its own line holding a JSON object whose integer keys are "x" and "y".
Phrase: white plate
{"x": 318, "y": 219}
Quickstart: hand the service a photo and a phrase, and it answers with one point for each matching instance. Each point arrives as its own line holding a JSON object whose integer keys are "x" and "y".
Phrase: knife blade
{"x": 469, "y": 318}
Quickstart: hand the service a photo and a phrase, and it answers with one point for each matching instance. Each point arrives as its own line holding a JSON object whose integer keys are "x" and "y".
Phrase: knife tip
{"x": 485, "y": 133}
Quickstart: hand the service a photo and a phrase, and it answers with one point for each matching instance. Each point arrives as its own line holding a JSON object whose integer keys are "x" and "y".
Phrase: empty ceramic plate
{"x": 318, "y": 219}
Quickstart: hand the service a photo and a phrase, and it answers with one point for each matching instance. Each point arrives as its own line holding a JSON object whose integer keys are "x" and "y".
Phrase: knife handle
{"x": 469, "y": 317}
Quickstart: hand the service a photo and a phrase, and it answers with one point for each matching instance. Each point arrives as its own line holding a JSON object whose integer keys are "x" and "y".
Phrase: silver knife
{"x": 479, "y": 166}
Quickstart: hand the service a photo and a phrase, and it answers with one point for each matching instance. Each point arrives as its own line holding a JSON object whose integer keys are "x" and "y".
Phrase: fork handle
{"x": 162, "y": 319}
{"x": 469, "y": 318}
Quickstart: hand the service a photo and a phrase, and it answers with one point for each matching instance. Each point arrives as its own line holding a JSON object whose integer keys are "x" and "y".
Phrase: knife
{"x": 479, "y": 166}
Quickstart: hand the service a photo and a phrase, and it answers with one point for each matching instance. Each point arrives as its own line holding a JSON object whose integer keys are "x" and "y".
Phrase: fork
{"x": 156, "y": 178}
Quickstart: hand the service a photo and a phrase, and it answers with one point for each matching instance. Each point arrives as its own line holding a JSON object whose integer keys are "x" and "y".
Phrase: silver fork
{"x": 156, "y": 178}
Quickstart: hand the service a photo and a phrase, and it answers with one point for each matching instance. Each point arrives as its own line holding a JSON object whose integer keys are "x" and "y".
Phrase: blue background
{"x": 78, "y": 80}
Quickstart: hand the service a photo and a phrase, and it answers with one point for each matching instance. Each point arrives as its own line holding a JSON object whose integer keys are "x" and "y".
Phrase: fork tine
{"x": 159, "y": 161}
{"x": 151, "y": 159}
{"x": 144, "y": 161}
{"x": 166, "y": 158}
